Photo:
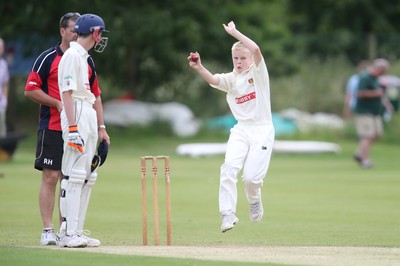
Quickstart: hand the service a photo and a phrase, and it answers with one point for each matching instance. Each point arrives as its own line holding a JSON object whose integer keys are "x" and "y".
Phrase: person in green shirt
{"x": 368, "y": 119}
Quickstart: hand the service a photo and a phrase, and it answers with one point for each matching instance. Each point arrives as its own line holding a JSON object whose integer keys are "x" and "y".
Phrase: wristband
{"x": 73, "y": 128}
{"x": 102, "y": 126}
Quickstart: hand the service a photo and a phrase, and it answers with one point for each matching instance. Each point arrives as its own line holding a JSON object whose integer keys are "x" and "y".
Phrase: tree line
{"x": 149, "y": 40}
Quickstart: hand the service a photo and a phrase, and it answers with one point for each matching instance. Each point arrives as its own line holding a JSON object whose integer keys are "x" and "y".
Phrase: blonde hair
{"x": 239, "y": 46}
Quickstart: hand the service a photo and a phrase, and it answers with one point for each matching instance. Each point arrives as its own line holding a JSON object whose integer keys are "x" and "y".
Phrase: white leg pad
{"x": 63, "y": 206}
{"x": 85, "y": 197}
{"x": 71, "y": 195}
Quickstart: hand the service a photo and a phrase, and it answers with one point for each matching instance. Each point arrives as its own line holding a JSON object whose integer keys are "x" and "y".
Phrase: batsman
{"x": 83, "y": 126}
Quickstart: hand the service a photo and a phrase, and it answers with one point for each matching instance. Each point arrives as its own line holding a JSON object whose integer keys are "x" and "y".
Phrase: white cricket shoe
{"x": 256, "y": 211}
{"x": 228, "y": 222}
{"x": 92, "y": 242}
{"x": 48, "y": 237}
{"x": 73, "y": 241}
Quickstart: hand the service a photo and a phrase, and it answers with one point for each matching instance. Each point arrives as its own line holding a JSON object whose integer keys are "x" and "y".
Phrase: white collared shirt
{"x": 248, "y": 93}
{"x": 73, "y": 73}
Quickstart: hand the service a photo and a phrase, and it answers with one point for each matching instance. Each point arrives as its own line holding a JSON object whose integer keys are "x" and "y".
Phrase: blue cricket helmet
{"x": 88, "y": 23}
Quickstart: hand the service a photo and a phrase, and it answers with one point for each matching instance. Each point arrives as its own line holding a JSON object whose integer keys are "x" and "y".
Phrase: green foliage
{"x": 150, "y": 40}
{"x": 330, "y": 15}
{"x": 317, "y": 87}
{"x": 310, "y": 46}
{"x": 345, "y": 26}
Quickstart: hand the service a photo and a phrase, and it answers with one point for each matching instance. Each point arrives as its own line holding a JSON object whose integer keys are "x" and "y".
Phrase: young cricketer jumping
{"x": 251, "y": 139}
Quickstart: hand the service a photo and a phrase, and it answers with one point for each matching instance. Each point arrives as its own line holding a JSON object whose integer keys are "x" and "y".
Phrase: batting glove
{"x": 75, "y": 141}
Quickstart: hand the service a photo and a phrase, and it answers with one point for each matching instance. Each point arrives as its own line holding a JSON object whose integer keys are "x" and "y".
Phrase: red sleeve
{"x": 34, "y": 82}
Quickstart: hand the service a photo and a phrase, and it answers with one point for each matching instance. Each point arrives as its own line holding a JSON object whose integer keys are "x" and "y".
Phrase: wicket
{"x": 154, "y": 160}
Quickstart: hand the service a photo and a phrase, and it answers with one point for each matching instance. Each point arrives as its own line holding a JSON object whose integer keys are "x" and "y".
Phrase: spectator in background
{"x": 4, "y": 79}
{"x": 368, "y": 110}
{"x": 351, "y": 90}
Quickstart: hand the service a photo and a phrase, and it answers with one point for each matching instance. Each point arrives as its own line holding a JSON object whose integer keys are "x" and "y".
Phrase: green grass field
{"x": 309, "y": 200}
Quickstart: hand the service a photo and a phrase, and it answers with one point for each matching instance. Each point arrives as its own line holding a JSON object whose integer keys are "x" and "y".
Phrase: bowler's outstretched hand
{"x": 230, "y": 28}
{"x": 194, "y": 60}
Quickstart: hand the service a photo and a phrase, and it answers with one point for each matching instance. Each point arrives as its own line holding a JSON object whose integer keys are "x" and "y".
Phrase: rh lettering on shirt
{"x": 87, "y": 86}
{"x": 246, "y": 98}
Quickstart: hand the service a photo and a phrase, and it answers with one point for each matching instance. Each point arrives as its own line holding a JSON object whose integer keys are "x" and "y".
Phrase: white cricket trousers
{"x": 249, "y": 147}
{"x": 86, "y": 120}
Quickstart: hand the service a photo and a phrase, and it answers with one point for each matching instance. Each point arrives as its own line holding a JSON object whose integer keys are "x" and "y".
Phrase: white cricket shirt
{"x": 248, "y": 93}
{"x": 73, "y": 73}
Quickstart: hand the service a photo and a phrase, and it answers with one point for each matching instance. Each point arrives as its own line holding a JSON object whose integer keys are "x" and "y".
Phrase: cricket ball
{"x": 194, "y": 57}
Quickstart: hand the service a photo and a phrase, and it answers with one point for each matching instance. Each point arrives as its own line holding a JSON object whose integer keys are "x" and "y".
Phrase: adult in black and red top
{"x": 42, "y": 88}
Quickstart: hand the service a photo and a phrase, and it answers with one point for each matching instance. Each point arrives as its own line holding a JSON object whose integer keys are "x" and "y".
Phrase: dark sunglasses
{"x": 67, "y": 16}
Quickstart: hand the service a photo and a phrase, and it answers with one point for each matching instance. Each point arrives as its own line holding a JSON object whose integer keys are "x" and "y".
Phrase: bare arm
{"x": 69, "y": 107}
{"x": 5, "y": 90}
{"x": 386, "y": 103}
{"x": 346, "y": 107}
{"x": 204, "y": 72}
{"x": 370, "y": 93}
{"x": 38, "y": 96}
{"x": 98, "y": 106}
{"x": 249, "y": 43}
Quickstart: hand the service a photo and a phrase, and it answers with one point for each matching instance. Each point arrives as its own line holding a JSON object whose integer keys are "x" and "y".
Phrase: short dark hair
{"x": 64, "y": 20}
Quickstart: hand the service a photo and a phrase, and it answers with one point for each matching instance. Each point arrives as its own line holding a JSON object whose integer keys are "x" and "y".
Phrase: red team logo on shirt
{"x": 246, "y": 98}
